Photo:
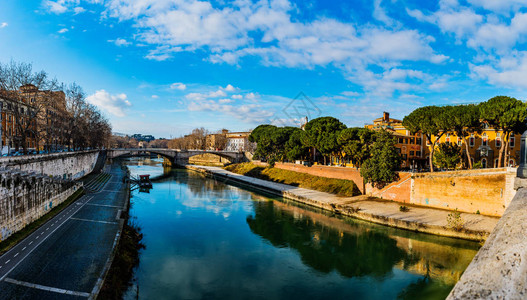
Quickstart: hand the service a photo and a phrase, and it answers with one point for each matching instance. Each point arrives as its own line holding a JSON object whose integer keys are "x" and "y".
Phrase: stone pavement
{"x": 418, "y": 218}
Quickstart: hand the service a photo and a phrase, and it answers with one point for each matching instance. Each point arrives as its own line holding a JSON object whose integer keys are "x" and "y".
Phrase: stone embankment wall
{"x": 67, "y": 165}
{"x": 25, "y": 197}
{"x": 488, "y": 191}
{"x": 499, "y": 270}
{"x": 31, "y": 185}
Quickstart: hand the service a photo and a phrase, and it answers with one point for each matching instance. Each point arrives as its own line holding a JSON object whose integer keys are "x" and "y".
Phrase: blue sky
{"x": 163, "y": 67}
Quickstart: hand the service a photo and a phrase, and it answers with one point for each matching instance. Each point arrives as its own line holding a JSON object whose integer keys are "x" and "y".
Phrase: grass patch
{"x": 18, "y": 236}
{"x": 120, "y": 275}
{"x": 340, "y": 187}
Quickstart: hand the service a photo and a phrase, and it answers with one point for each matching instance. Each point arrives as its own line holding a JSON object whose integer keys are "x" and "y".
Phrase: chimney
{"x": 386, "y": 116}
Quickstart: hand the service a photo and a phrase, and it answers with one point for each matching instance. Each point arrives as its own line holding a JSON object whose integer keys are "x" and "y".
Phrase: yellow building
{"x": 484, "y": 147}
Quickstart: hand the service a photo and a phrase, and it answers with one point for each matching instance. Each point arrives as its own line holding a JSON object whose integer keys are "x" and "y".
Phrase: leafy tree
{"x": 380, "y": 168}
{"x": 261, "y": 135}
{"x": 294, "y": 147}
{"x": 322, "y": 133}
{"x": 271, "y": 142}
{"x": 507, "y": 114}
{"x": 465, "y": 120}
{"x": 448, "y": 156}
{"x": 431, "y": 121}
{"x": 355, "y": 143}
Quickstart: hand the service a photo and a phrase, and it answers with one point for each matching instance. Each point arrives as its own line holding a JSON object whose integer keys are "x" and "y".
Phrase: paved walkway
{"x": 422, "y": 219}
{"x": 66, "y": 257}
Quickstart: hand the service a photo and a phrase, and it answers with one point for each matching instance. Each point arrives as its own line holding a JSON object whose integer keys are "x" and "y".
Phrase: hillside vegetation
{"x": 338, "y": 187}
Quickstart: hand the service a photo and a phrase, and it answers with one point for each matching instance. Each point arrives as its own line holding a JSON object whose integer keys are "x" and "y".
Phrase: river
{"x": 207, "y": 239}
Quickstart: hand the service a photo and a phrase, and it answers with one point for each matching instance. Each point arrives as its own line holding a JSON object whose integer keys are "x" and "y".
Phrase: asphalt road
{"x": 65, "y": 257}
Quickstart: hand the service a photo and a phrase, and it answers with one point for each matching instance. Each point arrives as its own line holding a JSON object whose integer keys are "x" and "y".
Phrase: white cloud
{"x": 462, "y": 22}
{"x": 63, "y": 30}
{"x": 237, "y": 97}
{"x": 230, "y": 88}
{"x": 79, "y": 10}
{"x": 350, "y": 93}
{"x": 155, "y": 96}
{"x": 114, "y": 104}
{"x": 57, "y": 7}
{"x": 251, "y": 113}
{"x": 501, "y": 6}
{"x": 379, "y": 13}
{"x": 178, "y": 86}
{"x": 251, "y": 96}
{"x": 3, "y": 25}
{"x": 509, "y": 71}
{"x": 120, "y": 42}
{"x": 267, "y": 30}
{"x": 226, "y": 100}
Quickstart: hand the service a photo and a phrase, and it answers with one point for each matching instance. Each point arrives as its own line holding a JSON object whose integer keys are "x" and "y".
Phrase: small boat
{"x": 144, "y": 181}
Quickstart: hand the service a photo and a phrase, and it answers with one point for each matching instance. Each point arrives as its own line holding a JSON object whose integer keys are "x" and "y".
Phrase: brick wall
{"x": 488, "y": 191}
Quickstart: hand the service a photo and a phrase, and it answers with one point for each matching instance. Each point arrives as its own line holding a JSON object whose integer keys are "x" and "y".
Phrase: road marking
{"x": 29, "y": 252}
{"x": 37, "y": 237}
{"x": 47, "y": 228}
{"x": 24, "y": 248}
{"x": 96, "y": 221}
{"x": 16, "y": 254}
{"x": 30, "y": 243}
{"x": 103, "y": 205}
{"x": 7, "y": 262}
{"x": 47, "y": 288}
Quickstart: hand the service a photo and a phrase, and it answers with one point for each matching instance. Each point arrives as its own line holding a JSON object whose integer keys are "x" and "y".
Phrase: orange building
{"x": 411, "y": 147}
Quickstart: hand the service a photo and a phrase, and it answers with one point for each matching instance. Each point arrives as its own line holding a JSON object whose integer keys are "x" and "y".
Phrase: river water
{"x": 207, "y": 239}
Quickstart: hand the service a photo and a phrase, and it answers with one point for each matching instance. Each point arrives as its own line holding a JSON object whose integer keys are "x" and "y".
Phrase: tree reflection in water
{"x": 355, "y": 249}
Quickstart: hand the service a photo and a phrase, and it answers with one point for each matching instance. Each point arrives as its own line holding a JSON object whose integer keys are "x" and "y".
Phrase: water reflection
{"x": 208, "y": 239}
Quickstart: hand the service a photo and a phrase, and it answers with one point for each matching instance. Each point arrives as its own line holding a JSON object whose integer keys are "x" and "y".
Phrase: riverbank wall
{"x": 483, "y": 191}
{"x": 66, "y": 165}
{"x": 31, "y": 185}
{"x": 428, "y": 219}
{"x": 25, "y": 197}
{"x": 499, "y": 269}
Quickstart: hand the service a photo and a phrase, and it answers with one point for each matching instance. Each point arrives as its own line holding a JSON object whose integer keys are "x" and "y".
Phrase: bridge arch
{"x": 209, "y": 157}
{"x": 139, "y": 152}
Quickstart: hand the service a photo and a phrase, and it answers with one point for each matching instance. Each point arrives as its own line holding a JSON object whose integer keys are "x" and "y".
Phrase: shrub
{"x": 404, "y": 208}
{"x": 455, "y": 221}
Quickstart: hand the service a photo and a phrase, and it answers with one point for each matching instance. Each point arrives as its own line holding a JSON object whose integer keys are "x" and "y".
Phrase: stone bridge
{"x": 178, "y": 157}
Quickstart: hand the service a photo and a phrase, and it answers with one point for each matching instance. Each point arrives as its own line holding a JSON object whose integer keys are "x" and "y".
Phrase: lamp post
{"x": 522, "y": 168}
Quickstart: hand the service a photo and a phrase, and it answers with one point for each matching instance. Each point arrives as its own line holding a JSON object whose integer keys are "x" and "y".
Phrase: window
{"x": 471, "y": 140}
{"x": 459, "y": 141}
{"x": 418, "y": 141}
{"x": 412, "y": 140}
{"x": 447, "y": 139}
{"x": 418, "y": 153}
{"x": 512, "y": 142}
{"x": 512, "y": 163}
{"x": 401, "y": 141}
{"x": 485, "y": 140}
{"x": 411, "y": 153}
